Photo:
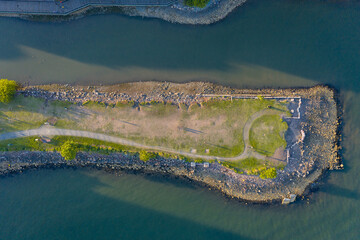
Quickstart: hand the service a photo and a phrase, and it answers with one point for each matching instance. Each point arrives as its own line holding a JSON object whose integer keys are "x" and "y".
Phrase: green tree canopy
{"x": 68, "y": 150}
{"x": 7, "y": 90}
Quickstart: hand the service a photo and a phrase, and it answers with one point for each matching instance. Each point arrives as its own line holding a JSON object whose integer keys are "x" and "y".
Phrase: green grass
{"x": 267, "y": 134}
{"x": 124, "y": 104}
{"x": 159, "y": 109}
{"x": 22, "y": 144}
{"x": 27, "y": 113}
{"x": 82, "y": 144}
{"x": 93, "y": 104}
{"x": 253, "y": 166}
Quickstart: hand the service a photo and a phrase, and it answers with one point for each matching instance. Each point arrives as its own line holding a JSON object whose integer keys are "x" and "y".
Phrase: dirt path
{"x": 52, "y": 131}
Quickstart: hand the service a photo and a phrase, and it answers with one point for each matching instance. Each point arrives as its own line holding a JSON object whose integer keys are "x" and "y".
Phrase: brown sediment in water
{"x": 318, "y": 152}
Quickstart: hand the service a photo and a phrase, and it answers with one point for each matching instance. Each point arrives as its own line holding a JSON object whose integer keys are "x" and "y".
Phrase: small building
{"x": 193, "y": 150}
{"x": 207, "y": 151}
{"x": 206, "y": 164}
{"x": 193, "y": 164}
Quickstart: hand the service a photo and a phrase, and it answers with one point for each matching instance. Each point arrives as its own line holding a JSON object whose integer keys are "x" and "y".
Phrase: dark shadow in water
{"x": 168, "y": 179}
{"x": 339, "y": 191}
{"x": 61, "y": 204}
{"x": 309, "y": 39}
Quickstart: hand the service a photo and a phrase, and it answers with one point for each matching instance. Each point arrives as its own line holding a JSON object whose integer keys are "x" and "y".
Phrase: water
{"x": 264, "y": 43}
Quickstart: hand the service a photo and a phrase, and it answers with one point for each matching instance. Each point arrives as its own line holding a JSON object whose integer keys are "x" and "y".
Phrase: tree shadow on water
{"x": 340, "y": 191}
{"x": 168, "y": 179}
{"x": 62, "y": 204}
{"x": 291, "y": 46}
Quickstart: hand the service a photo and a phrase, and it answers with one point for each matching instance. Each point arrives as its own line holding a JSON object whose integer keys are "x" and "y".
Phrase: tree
{"x": 68, "y": 150}
{"x": 7, "y": 90}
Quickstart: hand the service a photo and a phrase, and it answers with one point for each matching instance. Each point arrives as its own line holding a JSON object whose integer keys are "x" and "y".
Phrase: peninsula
{"x": 177, "y": 11}
{"x": 257, "y": 145}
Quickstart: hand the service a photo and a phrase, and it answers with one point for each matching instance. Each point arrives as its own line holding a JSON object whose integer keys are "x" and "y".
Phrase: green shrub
{"x": 7, "y": 90}
{"x": 90, "y": 103}
{"x": 268, "y": 173}
{"x": 68, "y": 150}
{"x": 122, "y": 104}
{"x": 196, "y": 3}
{"x": 145, "y": 156}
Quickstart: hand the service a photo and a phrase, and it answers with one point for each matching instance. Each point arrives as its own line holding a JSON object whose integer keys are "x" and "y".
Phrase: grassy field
{"x": 213, "y": 128}
{"x": 267, "y": 134}
{"x": 28, "y": 113}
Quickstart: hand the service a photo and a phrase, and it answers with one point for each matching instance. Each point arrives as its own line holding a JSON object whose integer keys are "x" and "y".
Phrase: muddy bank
{"x": 309, "y": 158}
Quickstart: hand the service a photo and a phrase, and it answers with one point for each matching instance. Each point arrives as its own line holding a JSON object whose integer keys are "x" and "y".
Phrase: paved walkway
{"x": 56, "y": 7}
{"x": 47, "y": 130}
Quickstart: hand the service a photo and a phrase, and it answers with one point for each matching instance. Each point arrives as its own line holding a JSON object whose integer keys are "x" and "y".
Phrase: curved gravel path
{"x": 47, "y": 130}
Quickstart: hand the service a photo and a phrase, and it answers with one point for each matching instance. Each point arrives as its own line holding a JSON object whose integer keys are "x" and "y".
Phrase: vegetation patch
{"x": 146, "y": 156}
{"x": 7, "y": 90}
{"x": 253, "y": 166}
{"x": 267, "y": 134}
{"x": 268, "y": 173}
{"x": 196, "y": 3}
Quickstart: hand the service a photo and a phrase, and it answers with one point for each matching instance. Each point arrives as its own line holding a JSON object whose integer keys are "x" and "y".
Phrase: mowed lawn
{"x": 213, "y": 127}
{"x": 267, "y": 134}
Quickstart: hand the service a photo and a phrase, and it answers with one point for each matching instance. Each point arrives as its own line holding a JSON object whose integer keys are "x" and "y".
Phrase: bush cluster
{"x": 196, "y": 3}
{"x": 268, "y": 173}
{"x": 145, "y": 156}
{"x": 7, "y": 90}
{"x": 68, "y": 150}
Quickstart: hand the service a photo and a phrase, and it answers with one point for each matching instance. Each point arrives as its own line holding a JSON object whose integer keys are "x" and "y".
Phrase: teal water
{"x": 264, "y": 43}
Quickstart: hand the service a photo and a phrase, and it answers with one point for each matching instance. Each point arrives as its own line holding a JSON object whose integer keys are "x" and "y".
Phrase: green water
{"x": 264, "y": 43}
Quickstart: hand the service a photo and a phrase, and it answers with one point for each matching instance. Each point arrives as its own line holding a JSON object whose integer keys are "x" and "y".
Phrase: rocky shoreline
{"x": 317, "y": 153}
{"x": 215, "y": 11}
{"x": 178, "y": 13}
